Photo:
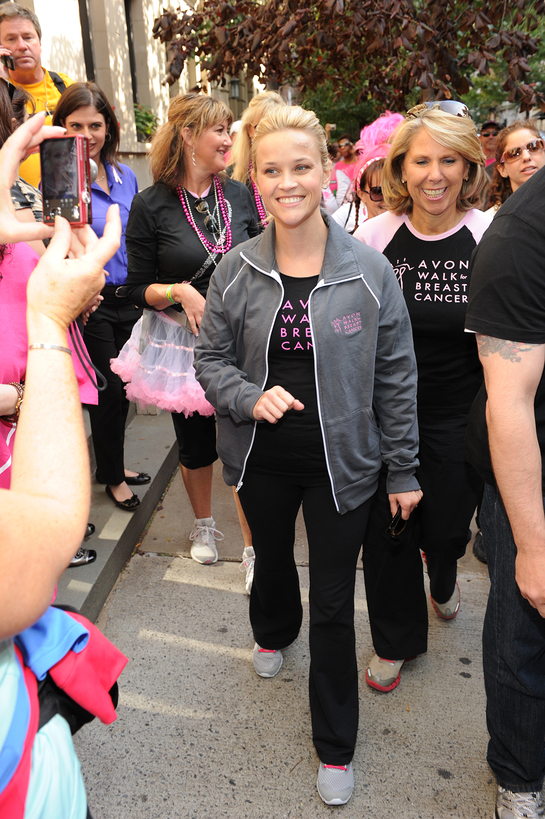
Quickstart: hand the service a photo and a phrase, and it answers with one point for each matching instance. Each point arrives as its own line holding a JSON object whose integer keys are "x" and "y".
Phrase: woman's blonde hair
{"x": 293, "y": 118}
{"x": 259, "y": 107}
{"x": 195, "y": 111}
{"x": 456, "y": 133}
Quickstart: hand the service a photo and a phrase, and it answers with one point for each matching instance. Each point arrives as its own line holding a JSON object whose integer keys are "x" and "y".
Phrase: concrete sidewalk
{"x": 149, "y": 447}
{"x": 199, "y": 735}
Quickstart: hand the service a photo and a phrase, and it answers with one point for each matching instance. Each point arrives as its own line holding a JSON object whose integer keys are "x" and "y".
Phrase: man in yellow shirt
{"x": 21, "y": 39}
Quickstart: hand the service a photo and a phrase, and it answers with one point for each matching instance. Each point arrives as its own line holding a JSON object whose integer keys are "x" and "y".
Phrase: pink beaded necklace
{"x": 259, "y": 202}
{"x": 226, "y": 238}
{"x": 257, "y": 196}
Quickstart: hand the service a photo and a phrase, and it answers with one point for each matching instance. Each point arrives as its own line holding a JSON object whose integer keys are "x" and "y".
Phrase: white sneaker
{"x": 204, "y": 536}
{"x": 267, "y": 661}
{"x": 513, "y": 805}
{"x": 247, "y": 565}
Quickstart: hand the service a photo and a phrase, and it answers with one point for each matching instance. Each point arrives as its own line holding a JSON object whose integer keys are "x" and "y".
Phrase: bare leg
{"x": 246, "y": 534}
{"x": 198, "y": 485}
{"x": 122, "y": 491}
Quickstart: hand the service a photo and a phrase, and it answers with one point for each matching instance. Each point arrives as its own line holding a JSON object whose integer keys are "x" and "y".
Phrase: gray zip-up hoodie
{"x": 364, "y": 362}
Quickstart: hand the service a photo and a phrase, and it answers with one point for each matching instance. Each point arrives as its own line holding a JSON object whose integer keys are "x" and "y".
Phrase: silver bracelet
{"x": 49, "y": 347}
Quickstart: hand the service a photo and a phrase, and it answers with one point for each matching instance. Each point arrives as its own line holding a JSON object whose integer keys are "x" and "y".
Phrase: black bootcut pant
{"x": 105, "y": 334}
{"x": 271, "y": 504}
{"x": 394, "y": 579}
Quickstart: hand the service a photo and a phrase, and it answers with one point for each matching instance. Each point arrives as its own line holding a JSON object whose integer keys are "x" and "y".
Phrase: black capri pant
{"x": 196, "y": 437}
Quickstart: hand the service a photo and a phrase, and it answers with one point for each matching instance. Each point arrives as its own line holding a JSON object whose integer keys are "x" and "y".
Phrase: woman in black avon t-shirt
{"x": 432, "y": 181}
{"x": 178, "y": 231}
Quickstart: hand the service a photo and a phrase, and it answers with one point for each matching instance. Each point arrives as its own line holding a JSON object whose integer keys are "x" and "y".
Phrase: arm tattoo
{"x": 509, "y": 350}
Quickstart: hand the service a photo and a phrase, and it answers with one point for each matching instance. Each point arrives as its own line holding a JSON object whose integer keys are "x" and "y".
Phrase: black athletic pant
{"x": 271, "y": 503}
{"x": 439, "y": 527}
{"x": 394, "y": 584}
{"x": 105, "y": 334}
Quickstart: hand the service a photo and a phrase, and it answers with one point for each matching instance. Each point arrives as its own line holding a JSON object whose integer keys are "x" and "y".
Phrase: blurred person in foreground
{"x": 42, "y": 521}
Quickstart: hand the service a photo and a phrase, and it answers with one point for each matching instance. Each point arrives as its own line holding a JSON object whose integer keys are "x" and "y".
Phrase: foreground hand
{"x": 23, "y": 140}
{"x": 274, "y": 403}
{"x": 530, "y": 577}
{"x": 407, "y": 500}
{"x": 60, "y": 288}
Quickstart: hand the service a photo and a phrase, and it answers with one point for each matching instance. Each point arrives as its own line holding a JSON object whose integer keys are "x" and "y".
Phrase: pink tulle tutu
{"x": 157, "y": 364}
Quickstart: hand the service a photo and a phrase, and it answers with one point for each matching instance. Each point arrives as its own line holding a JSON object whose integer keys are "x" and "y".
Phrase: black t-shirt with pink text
{"x": 293, "y": 445}
{"x": 434, "y": 274}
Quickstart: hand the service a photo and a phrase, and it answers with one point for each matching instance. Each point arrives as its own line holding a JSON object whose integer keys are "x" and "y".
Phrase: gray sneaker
{"x": 448, "y": 610}
{"x": 267, "y": 662}
{"x": 335, "y": 783}
{"x": 515, "y": 805}
{"x": 384, "y": 675}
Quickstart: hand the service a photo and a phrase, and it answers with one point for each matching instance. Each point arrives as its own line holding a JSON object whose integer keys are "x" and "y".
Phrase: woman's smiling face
{"x": 434, "y": 176}
{"x": 290, "y": 176}
{"x": 88, "y": 122}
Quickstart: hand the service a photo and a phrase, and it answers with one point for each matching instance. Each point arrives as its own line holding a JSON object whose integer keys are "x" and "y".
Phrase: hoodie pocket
{"x": 353, "y": 446}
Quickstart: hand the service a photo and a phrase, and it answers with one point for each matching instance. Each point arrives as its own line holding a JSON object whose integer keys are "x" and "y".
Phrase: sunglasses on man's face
{"x": 535, "y": 147}
{"x": 344, "y": 144}
{"x": 489, "y": 133}
{"x": 375, "y": 193}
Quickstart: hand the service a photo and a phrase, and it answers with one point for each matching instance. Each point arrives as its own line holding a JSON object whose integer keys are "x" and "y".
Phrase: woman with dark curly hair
{"x": 519, "y": 154}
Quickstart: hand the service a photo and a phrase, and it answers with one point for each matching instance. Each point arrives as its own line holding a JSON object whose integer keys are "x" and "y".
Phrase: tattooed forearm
{"x": 510, "y": 350}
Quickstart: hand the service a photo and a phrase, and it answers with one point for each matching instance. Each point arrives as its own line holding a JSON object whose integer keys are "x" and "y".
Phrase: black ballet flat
{"x": 89, "y": 531}
{"x": 83, "y": 557}
{"x": 128, "y": 505}
{"x": 138, "y": 480}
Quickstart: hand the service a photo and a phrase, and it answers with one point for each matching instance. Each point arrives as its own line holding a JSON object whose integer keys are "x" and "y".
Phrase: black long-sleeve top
{"x": 163, "y": 248}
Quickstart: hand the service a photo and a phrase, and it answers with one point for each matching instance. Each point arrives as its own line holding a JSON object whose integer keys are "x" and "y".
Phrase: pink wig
{"x": 378, "y": 132}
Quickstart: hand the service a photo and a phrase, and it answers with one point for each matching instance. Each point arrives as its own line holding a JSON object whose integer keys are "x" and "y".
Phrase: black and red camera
{"x": 66, "y": 179}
